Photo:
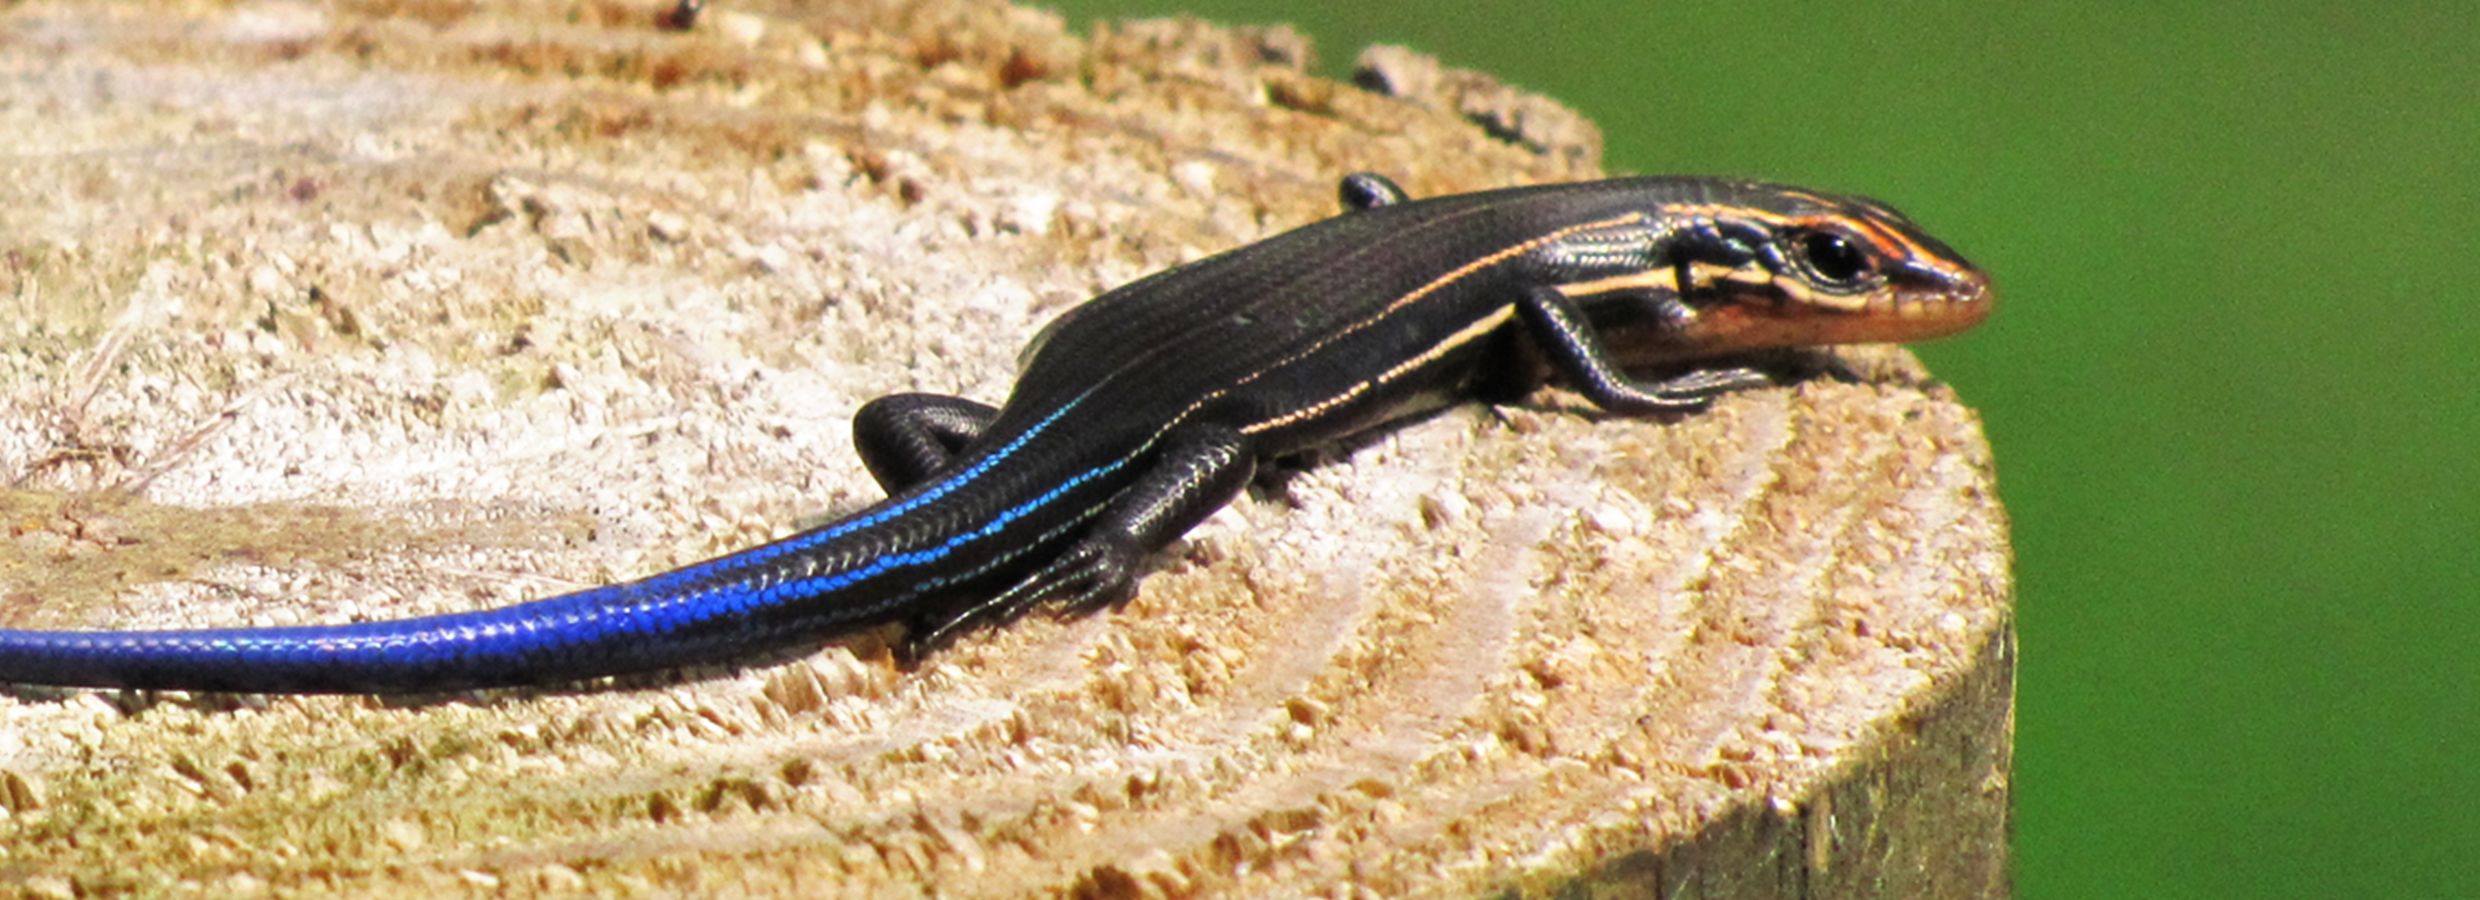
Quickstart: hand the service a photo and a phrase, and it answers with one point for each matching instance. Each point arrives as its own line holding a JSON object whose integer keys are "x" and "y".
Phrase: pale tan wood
{"x": 321, "y": 313}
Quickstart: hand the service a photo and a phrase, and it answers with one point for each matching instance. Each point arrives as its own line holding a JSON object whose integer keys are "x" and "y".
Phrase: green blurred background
{"x": 2231, "y": 380}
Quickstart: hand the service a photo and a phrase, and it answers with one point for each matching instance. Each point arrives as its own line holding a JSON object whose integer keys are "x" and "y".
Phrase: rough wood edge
{"x": 1929, "y": 814}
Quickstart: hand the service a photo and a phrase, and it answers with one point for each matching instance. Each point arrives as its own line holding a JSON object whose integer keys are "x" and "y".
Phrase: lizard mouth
{"x": 1753, "y": 309}
{"x": 1741, "y": 310}
{"x": 1923, "y": 303}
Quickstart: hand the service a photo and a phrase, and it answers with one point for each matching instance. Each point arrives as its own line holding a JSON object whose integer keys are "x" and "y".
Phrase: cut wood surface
{"x": 326, "y": 312}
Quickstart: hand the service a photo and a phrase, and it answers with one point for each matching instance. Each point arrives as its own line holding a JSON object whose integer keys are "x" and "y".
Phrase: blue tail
{"x": 601, "y": 631}
{"x": 894, "y": 559}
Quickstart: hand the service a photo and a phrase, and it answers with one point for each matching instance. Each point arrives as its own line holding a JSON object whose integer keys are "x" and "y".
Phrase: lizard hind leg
{"x": 1196, "y": 471}
{"x": 905, "y": 439}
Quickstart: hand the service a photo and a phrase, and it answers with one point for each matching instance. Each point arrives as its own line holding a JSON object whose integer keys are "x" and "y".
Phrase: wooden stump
{"x": 396, "y": 308}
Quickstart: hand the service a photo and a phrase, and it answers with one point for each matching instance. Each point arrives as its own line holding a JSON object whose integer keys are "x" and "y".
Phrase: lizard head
{"x": 1788, "y": 268}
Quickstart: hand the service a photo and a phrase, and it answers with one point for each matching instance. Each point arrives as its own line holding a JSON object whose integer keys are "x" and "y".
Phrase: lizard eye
{"x": 1834, "y": 259}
